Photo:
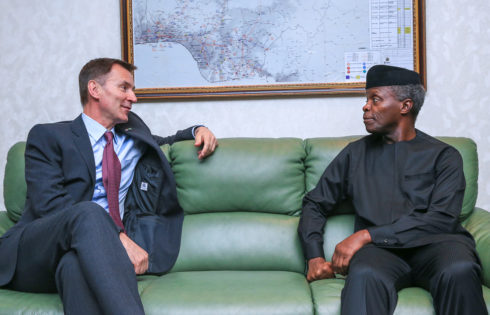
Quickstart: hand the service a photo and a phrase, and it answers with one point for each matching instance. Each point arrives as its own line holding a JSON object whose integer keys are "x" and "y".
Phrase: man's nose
{"x": 132, "y": 97}
{"x": 366, "y": 106}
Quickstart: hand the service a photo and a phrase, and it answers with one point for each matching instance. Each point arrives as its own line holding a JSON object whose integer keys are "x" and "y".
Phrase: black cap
{"x": 383, "y": 75}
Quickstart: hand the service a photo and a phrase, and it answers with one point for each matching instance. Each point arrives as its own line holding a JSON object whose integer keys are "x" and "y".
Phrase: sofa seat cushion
{"x": 326, "y": 298}
{"x": 228, "y": 292}
{"x": 14, "y": 302}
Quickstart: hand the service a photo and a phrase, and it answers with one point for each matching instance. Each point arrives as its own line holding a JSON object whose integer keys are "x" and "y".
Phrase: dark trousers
{"x": 448, "y": 270}
{"x": 77, "y": 252}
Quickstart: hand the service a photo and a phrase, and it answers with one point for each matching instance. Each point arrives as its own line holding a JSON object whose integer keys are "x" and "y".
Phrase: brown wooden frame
{"x": 307, "y": 89}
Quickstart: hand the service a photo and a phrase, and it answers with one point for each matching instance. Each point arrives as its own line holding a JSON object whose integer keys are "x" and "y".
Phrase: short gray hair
{"x": 415, "y": 92}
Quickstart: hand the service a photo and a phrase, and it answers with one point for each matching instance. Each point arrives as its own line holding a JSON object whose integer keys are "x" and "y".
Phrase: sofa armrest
{"x": 478, "y": 224}
{"x": 5, "y": 222}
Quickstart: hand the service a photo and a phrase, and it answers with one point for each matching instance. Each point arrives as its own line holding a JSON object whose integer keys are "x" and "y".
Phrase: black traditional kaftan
{"x": 406, "y": 194}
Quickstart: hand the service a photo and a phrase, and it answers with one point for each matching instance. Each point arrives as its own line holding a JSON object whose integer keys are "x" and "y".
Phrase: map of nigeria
{"x": 230, "y": 42}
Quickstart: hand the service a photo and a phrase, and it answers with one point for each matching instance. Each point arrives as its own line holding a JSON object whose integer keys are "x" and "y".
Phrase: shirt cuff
{"x": 194, "y": 130}
{"x": 313, "y": 250}
{"x": 382, "y": 235}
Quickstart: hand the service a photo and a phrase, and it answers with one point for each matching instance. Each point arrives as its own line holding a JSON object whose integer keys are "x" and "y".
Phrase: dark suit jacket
{"x": 60, "y": 172}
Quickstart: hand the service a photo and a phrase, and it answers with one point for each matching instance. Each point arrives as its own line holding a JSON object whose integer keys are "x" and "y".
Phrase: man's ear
{"x": 407, "y": 105}
{"x": 93, "y": 89}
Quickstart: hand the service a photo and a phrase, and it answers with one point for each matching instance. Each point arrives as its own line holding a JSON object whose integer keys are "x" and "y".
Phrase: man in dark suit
{"x": 407, "y": 191}
{"x": 101, "y": 202}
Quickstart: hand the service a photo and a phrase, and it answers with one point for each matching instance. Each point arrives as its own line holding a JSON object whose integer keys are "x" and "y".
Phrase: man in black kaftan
{"x": 407, "y": 191}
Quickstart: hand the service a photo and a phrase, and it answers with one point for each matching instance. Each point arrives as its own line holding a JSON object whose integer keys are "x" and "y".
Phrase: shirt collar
{"x": 95, "y": 130}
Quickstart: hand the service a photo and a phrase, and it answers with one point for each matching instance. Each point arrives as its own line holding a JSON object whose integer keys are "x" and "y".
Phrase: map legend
{"x": 358, "y": 63}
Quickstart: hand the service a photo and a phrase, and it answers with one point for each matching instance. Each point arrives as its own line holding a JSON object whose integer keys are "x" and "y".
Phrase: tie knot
{"x": 108, "y": 136}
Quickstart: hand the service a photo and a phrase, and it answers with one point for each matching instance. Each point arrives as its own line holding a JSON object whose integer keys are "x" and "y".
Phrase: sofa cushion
{"x": 14, "y": 184}
{"x": 14, "y": 302}
{"x": 337, "y": 228}
{"x": 467, "y": 149}
{"x": 228, "y": 292}
{"x": 319, "y": 153}
{"x": 262, "y": 175}
{"x": 477, "y": 224}
{"x": 326, "y": 298}
{"x": 240, "y": 241}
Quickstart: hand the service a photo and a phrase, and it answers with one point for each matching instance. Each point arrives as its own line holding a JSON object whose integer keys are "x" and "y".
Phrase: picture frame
{"x": 208, "y": 51}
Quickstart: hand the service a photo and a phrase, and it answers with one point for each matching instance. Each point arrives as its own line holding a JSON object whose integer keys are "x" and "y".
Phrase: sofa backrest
{"x": 14, "y": 183}
{"x": 321, "y": 151}
{"x": 242, "y": 204}
{"x": 259, "y": 175}
{"x": 467, "y": 149}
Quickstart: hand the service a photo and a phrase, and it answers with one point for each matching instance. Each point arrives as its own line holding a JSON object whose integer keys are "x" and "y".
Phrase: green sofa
{"x": 240, "y": 251}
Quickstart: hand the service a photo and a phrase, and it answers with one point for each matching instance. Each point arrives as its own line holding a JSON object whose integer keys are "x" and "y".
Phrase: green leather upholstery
{"x": 478, "y": 224}
{"x": 12, "y": 302}
{"x": 326, "y": 298}
{"x": 414, "y": 301}
{"x": 338, "y": 228}
{"x": 486, "y": 297}
{"x": 411, "y": 301}
{"x": 467, "y": 148}
{"x": 240, "y": 241}
{"x": 14, "y": 185}
{"x": 265, "y": 175}
{"x": 229, "y": 292}
{"x": 166, "y": 150}
{"x": 319, "y": 153}
{"x": 5, "y": 222}
{"x": 240, "y": 252}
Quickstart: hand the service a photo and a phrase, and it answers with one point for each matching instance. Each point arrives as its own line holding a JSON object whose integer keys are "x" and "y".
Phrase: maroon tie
{"x": 111, "y": 178}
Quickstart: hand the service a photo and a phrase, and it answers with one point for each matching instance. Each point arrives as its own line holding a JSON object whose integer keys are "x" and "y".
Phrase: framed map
{"x": 227, "y": 48}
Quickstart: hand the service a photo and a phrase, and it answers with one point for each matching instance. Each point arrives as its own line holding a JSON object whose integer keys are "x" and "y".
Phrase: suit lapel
{"x": 135, "y": 128}
{"x": 82, "y": 142}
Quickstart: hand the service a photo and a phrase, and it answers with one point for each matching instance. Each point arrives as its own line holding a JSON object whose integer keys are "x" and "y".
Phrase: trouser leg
{"x": 451, "y": 272}
{"x": 79, "y": 298}
{"x": 375, "y": 275}
{"x": 87, "y": 230}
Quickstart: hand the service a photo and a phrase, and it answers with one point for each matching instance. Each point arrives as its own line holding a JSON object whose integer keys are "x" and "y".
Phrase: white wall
{"x": 45, "y": 43}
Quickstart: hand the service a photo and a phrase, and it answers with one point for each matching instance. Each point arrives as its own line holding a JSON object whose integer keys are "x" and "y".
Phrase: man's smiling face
{"x": 116, "y": 95}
